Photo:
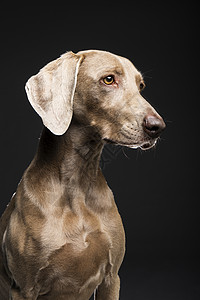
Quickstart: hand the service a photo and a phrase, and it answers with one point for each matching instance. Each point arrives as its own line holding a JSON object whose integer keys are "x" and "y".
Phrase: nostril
{"x": 153, "y": 125}
{"x": 153, "y": 128}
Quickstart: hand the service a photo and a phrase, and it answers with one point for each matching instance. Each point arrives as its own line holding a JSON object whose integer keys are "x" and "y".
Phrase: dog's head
{"x": 102, "y": 90}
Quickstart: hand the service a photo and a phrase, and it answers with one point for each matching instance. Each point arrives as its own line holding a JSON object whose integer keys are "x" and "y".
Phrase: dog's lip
{"x": 148, "y": 145}
{"x": 144, "y": 146}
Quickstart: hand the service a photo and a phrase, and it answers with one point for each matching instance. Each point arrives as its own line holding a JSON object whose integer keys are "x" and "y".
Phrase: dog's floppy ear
{"x": 51, "y": 92}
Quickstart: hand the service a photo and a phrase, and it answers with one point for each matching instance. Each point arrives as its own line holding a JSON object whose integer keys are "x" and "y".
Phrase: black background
{"x": 156, "y": 191}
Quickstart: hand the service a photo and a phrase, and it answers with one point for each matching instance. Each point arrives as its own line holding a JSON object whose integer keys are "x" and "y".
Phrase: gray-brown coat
{"x": 62, "y": 236}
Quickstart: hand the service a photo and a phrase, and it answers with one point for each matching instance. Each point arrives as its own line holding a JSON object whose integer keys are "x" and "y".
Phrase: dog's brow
{"x": 115, "y": 70}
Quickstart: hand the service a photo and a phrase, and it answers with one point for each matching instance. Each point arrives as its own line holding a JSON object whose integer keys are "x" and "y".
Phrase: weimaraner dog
{"x": 62, "y": 237}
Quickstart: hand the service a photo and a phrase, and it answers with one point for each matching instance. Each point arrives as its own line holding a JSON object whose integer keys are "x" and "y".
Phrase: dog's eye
{"x": 108, "y": 79}
{"x": 141, "y": 86}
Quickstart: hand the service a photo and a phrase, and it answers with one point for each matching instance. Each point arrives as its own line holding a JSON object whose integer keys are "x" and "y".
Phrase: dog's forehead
{"x": 97, "y": 62}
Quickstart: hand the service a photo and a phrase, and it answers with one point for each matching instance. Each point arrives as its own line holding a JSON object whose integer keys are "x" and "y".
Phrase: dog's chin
{"x": 144, "y": 145}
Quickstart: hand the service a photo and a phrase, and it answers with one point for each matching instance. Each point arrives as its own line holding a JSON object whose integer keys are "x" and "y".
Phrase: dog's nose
{"x": 153, "y": 125}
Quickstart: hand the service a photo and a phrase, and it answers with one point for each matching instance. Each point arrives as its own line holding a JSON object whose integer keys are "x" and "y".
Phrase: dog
{"x": 61, "y": 235}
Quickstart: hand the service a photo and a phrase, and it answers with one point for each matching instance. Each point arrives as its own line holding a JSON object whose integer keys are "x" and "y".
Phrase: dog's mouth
{"x": 144, "y": 146}
{"x": 148, "y": 145}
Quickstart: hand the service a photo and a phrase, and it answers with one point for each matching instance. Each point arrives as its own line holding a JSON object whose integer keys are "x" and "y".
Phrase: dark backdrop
{"x": 156, "y": 191}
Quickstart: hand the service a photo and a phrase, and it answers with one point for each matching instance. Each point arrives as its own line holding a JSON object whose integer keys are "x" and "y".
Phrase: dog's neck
{"x": 73, "y": 160}
{"x": 83, "y": 148}
{"x": 78, "y": 149}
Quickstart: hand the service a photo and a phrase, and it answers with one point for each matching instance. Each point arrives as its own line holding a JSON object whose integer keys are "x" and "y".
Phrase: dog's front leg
{"x": 109, "y": 291}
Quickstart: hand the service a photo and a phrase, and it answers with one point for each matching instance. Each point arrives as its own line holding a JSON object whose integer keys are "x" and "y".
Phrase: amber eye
{"x": 141, "y": 86}
{"x": 108, "y": 79}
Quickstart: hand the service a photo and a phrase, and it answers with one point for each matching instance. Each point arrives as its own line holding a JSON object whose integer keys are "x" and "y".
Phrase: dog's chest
{"x": 79, "y": 249}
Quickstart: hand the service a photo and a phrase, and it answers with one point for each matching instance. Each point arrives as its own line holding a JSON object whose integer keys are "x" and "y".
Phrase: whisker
{"x": 123, "y": 150}
{"x": 147, "y": 77}
{"x": 139, "y": 152}
{"x": 143, "y": 73}
{"x": 168, "y": 121}
{"x": 147, "y": 71}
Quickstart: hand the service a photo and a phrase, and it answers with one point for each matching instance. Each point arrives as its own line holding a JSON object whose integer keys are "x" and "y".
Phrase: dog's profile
{"x": 62, "y": 236}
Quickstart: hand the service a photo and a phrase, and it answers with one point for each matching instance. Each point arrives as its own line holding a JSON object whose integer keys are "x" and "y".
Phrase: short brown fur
{"x": 62, "y": 236}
